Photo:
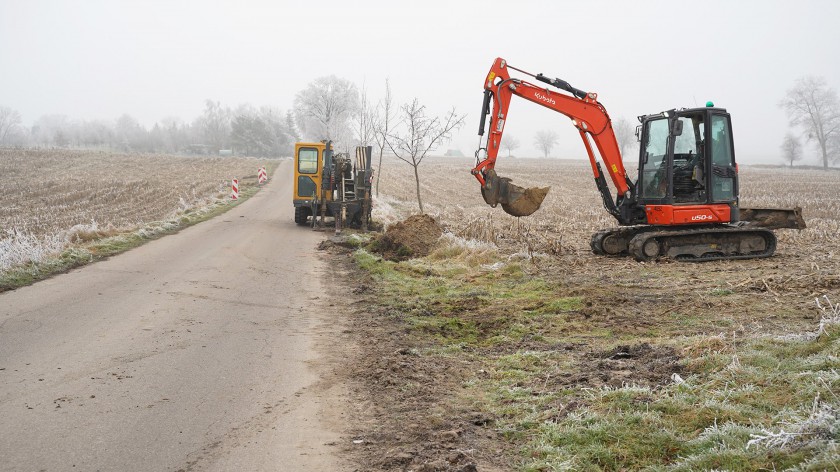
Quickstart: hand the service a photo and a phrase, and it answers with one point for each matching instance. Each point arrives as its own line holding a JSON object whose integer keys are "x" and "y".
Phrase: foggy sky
{"x": 154, "y": 59}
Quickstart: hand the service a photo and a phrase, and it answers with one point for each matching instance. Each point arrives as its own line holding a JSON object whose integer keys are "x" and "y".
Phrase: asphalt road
{"x": 198, "y": 351}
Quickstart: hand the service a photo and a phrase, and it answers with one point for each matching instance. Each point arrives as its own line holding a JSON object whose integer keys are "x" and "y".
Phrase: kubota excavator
{"x": 684, "y": 203}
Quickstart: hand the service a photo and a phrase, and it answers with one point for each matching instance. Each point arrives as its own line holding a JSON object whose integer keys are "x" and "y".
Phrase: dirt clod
{"x": 413, "y": 237}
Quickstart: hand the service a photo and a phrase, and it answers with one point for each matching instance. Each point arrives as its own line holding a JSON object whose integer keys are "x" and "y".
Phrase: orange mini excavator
{"x": 684, "y": 203}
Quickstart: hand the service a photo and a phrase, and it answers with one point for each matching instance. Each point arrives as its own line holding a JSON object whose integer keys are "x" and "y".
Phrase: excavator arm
{"x": 587, "y": 115}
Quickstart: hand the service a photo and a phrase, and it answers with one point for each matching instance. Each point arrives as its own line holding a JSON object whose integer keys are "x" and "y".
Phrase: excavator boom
{"x": 587, "y": 115}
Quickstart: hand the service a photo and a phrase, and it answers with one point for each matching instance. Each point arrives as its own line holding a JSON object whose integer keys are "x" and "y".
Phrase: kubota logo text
{"x": 702, "y": 217}
{"x": 544, "y": 98}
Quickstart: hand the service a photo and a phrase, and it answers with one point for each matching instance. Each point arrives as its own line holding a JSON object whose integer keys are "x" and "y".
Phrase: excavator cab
{"x": 687, "y": 158}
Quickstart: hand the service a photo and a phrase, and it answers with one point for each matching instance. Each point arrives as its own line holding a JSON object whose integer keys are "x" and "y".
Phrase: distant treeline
{"x": 245, "y": 131}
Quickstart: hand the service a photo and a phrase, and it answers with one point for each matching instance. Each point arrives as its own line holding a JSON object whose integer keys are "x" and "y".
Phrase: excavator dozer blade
{"x": 773, "y": 218}
{"x": 515, "y": 200}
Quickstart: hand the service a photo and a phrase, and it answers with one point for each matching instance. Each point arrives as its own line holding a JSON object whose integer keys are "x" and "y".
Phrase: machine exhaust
{"x": 515, "y": 200}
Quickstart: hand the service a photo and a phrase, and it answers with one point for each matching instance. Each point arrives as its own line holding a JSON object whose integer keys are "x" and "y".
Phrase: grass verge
{"x": 569, "y": 393}
{"x": 96, "y": 249}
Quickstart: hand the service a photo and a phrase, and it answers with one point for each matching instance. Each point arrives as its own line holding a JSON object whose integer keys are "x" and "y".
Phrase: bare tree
{"x": 174, "y": 134}
{"x": 510, "y": 143}
{"x": 97, "y": 134}
{"x": 833, "y": 148}
{"x": 814, "y": 106}
{"x": 130, "y": 133}
{"x": 791, "y": 148}
{"x": 365, "y": 120}
{"x": 291, "y": 127}
{"x": 259, "y": 132}
{"x": 422, "y": 134}
{"x": 624, "y": 134}
{"x": 49, "y": 130}
{"x": 249, "y": 133}
{"x": 324, "y": 108}
{"x": 545, "y": 141}
{"x": 215, "y": 125}
{"x": 9, "y": 120}
{"x": 384, "y": 121}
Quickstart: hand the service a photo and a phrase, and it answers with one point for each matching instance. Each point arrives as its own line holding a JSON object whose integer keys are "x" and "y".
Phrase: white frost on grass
{"x": 494, "y": 266}
{"x": 467, "y": 244}
{"x": 18, "y": 247}
{"x": 821, "y": 426}
{"x": 829, "y": 316}
{"x": 384, "y": 210}
{"x": 525, "y": 255}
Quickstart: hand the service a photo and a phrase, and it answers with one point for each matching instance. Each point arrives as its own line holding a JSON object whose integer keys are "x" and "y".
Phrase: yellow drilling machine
{"x": 329, "y": 184}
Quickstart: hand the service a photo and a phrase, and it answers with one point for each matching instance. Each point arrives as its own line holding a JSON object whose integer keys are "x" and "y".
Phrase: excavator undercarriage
{"x": 695, "y": 244}
{"x": 750, "y": 238}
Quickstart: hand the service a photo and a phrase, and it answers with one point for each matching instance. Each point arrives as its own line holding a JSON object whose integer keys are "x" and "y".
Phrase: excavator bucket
{"x": 515, "y": 200}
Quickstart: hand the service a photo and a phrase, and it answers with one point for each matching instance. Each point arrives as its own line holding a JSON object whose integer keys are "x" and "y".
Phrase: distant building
{"x": 453, "y": 153}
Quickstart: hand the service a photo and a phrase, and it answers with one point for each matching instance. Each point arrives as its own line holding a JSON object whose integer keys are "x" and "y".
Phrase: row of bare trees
{"x": 245, "y": 130}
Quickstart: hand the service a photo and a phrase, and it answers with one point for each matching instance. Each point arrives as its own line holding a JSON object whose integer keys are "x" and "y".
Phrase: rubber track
{"x": 640, "y": 239}
{"x": 625, "y": 232}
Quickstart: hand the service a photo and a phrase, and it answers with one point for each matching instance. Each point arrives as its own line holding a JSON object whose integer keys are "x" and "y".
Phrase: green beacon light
{"x": 709, "y": 104}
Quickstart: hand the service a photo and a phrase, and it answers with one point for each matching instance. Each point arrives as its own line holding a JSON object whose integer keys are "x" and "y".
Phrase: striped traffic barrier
{"x": 234, "y": 189}
{"x": 262, "y": 175}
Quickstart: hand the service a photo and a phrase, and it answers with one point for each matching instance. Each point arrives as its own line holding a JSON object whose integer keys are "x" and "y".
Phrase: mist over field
{"x": 127, "y": 66}
{"x": 172, "y": 281}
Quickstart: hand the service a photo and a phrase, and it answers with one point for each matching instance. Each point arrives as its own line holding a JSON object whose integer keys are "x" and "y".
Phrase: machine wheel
{"x": 595, "y": 243}
{"x": 644, "y": 247}
{"x": 613, "y": 244}
{"x": 650, "y": 248}
{"x": 301, "y": 213}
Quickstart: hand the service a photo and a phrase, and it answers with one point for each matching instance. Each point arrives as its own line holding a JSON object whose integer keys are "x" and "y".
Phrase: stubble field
{"x": 54, "y": 199}
{"x": 807, "y": 262}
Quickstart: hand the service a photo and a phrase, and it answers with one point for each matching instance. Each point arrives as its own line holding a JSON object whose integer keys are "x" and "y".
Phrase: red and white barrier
{"x": 234, "y": 189}
{"x": 262, "y": 175}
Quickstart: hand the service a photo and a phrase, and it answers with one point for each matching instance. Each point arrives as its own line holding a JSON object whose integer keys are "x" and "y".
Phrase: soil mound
{"x": 412, "y": 237}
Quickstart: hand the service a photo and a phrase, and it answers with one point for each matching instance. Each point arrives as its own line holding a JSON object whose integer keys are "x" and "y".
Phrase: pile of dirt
{"x": 412, "y": 237}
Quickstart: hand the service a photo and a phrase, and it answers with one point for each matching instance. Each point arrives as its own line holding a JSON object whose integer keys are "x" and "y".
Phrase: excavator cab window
{"x": 673, "y": 148}
{"x": 653, "y": 175}
{"x": 723, "y": 174}
{"x": 689, "y": 182}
